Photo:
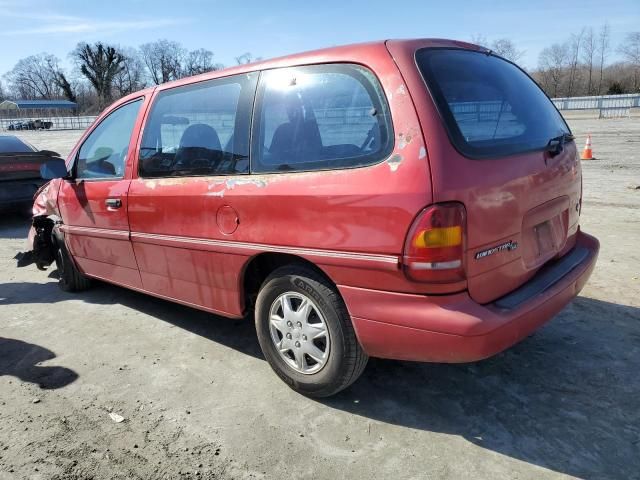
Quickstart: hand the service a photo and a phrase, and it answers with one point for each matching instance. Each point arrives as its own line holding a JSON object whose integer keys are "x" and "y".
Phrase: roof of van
{"x": 321, "y": 56}
{"x": 324, "y": 55}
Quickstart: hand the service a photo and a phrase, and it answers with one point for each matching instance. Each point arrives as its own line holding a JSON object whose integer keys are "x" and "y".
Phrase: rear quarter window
{"x": 320, "y": 117}
{"x": 490, "y": 107}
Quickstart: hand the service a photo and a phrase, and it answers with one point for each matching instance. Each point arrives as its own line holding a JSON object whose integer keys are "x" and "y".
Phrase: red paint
{"x": 190, "y": 239}
{"x": 227, "y": 219}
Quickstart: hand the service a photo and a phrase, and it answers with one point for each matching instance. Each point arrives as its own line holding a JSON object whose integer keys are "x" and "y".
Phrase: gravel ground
{"x": 199, "y": 401}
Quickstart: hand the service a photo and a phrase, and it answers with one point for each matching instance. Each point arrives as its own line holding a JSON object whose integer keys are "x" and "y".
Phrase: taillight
{"x": 434, "y": 249}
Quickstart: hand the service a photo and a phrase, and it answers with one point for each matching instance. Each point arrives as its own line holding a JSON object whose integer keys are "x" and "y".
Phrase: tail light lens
{"x": 434, "y": 249}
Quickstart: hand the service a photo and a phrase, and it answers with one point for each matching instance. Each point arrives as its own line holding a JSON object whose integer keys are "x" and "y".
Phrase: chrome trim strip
{"x": 95, "y": 232}
{"x": 384, "y": 261}
{"x": 257, "y": 247}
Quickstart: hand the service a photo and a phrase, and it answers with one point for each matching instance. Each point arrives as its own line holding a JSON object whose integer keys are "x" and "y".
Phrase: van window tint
{"x": 104, "y": 152}
{"x": 490, "y": 107}
{"x": 199, "y": 129}
{"x": 320, "y": 117}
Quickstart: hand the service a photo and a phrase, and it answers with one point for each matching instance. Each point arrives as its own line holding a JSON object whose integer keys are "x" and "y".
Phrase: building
{"x": 10, "y": 109}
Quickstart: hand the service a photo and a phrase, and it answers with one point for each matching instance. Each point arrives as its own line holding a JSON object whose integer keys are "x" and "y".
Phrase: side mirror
{"x": 54, "y": 168}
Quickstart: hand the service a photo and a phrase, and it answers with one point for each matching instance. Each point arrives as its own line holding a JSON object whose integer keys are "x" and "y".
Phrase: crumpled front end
{"x": 41, "y": 241}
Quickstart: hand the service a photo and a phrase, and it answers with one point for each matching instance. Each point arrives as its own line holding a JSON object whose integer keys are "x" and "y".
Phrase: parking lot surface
{"x": 197, "y": 400}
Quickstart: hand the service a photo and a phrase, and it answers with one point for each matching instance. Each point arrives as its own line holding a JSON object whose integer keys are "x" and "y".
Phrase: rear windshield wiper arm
{"x": 555, "y": 146}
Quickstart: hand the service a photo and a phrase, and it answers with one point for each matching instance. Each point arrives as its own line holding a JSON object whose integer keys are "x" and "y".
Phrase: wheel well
{"x": 261, "y": 266}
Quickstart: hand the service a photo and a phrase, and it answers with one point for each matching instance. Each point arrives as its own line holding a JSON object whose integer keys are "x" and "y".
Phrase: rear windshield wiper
{"x": 555, "y": 146}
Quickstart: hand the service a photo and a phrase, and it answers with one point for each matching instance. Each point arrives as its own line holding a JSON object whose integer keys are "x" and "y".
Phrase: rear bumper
{"x": 454, "y": 328}
{"x": 18, "y": 192}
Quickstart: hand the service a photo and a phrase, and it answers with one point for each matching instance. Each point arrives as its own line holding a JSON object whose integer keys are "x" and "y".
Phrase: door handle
{"x": 113, "y": 202}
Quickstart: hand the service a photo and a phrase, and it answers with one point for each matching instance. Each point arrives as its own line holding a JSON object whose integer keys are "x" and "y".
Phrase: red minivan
{"x": 414, "y": 200}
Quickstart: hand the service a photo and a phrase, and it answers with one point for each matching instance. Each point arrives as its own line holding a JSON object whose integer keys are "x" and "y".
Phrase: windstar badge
{"x": 510, "y": 245}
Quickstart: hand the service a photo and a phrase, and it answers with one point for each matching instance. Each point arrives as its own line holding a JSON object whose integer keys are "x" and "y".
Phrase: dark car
{"x": 17, "y": 126}
{"x": 31, "y": 125}
{"x": 20, "y": 171}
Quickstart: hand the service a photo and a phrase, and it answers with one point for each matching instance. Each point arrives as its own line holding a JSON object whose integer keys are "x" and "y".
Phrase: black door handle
{"x": 113, "y": 202}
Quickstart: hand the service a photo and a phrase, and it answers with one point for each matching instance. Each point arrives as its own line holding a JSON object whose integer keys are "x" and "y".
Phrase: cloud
{"x": 33, "y": 16}
{"x": 88, "y": 26}
{"x": 54, "y": 23}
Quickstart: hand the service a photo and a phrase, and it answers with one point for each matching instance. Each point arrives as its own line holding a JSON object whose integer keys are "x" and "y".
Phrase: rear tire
{"x": 69, "y": 277}
{"x": 311, "y": 346}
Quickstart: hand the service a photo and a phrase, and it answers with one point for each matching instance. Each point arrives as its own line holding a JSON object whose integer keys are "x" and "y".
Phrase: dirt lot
{"x": 199, "y": 401}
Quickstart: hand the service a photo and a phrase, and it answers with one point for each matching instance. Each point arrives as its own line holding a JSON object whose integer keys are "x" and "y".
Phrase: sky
{"x": 271, "y": 28}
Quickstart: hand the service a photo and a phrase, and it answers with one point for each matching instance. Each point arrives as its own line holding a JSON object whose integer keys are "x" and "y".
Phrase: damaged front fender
{"x": 44, "y": 234}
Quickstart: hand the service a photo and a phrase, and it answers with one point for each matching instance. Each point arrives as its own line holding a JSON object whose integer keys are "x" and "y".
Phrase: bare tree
{"x": 630, "y": 50}
{"x": 132, "y": 76}
{"x": 59, "y": 78}
{"x": 163, "y": 60}
{"x": 100, "y": 64}
{"x": 86, "y": 95}
{"x": 603, "y": 51}
{"x": 247, "y": 58}
{"x": 3, "y": 95}
{"x": 200, "y": 61}
{"x": 480, "y": 39}
{"x": 574, "y": 46}
{"x": 507, "y": 49}
{"x": 589, "y": 50}
{"x": 34, "y": 77}
{"x": 580, "y": 66}
{"x": 502, "y": 46}
{"x": 552, "y": 64}
{"x": 63, "y": 84}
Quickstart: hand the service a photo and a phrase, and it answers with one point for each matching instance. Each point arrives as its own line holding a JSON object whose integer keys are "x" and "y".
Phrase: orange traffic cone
{"x": 587, "y": 153}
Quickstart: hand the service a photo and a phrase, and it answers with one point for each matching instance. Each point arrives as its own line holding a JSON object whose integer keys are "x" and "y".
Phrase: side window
{"x": 200, "y": 129}
{"x": 320, "y": 117}
{"x": 103, "y": 154}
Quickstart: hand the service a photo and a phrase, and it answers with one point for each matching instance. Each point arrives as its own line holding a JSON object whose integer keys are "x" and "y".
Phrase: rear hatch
{"x": 19, "y": 160}
{"x": 511, "y": 161}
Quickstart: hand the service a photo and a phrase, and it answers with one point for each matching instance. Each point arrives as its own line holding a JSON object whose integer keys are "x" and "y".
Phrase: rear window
{"x": 490, "y": 106}
{"x": 320, "y": 117}
{"x": 9, "y": 144}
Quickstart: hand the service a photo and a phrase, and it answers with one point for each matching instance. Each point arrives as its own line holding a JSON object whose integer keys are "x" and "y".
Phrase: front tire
{"x": 306, "y": 334}
{"x": 69, "y": 277}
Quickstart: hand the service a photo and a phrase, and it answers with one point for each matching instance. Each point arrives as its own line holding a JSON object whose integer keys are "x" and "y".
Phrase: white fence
{"x": 59, "y": 123}
{"x": 605, "y": 106}
{"x": 608, "y": 106}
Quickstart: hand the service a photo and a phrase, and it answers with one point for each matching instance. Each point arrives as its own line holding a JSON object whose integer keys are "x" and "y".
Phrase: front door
{"x": 194, "y": 151}
{"x": 94, "y": 204}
